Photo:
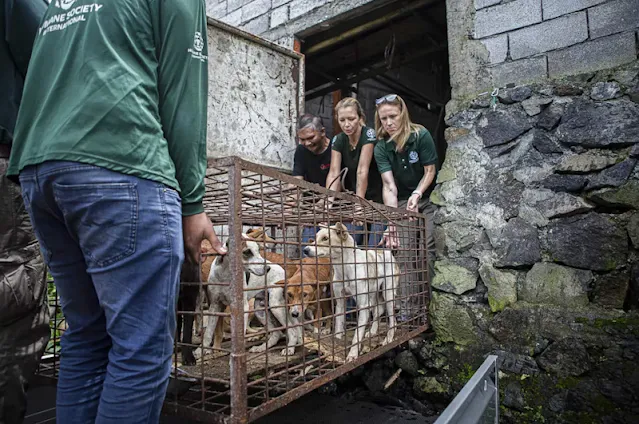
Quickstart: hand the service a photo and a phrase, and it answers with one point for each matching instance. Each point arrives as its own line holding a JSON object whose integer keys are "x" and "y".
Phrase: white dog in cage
{"x": 219, "y": 289}
{"x": 271, "y": 310}
{"x": 371, "y": 276}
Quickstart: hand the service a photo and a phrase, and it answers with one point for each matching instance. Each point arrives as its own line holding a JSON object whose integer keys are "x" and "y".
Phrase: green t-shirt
{"x": 350, "y": 160}
{"x": 408, "y": 165}
{"x": 120, "y": 84}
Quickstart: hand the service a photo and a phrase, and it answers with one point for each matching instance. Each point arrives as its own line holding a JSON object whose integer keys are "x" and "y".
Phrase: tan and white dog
{"x": 219, "y": 288}
{"x": 371, "y": 276}
{"x": 271, "y": 310}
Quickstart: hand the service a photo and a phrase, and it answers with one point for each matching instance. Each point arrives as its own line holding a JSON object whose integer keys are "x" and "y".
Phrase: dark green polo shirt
{"x": 350, "y": 160}
{"x": 120, "y": 84}
{"x": 407, "y": 166}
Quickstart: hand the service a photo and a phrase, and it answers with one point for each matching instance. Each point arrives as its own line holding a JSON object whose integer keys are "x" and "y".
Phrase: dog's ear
{"x": 341, "y": 230}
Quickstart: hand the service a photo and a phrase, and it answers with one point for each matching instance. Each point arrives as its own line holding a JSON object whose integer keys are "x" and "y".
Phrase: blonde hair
{"x": 351, "y": 102}
{"x": 405, "y": 127}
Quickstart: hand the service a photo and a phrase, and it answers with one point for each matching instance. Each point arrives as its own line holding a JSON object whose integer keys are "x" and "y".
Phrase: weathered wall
{"x": 238, "y": 122}
{"x": 496, "y": 42}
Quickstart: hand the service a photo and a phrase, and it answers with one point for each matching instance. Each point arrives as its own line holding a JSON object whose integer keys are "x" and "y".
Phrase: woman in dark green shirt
{"x": 353, "y": 149}
{"x": 407, "y": 161}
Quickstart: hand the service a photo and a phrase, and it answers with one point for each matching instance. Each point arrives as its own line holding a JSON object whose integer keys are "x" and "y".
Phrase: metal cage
{"x": 308, "y": 291}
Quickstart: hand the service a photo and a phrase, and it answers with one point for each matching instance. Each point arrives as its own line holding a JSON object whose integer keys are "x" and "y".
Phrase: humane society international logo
{"x": 198, "y": 46}
{"x": 64, "y": 4}
{"x": 413, "y": 157}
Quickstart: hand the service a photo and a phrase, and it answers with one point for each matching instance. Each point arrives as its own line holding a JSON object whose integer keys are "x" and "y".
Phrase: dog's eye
{"x": 290, "y": 295}
{"x": 305, "y": 294}
{"x": 247, "y": 253}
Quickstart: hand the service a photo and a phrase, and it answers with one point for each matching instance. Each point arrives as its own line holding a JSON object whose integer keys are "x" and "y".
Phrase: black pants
{"x": 24, "y": 313}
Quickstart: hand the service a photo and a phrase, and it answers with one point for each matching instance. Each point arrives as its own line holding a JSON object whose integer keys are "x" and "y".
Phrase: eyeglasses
{"x": 387, "y": 98}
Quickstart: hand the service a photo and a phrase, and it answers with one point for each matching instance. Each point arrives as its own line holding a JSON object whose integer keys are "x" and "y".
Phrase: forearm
{"x": 362, "y": 183}
{"x": 389, "y": 195}
{"x": 426, "y": 180}
{"x": 333, "y": 181}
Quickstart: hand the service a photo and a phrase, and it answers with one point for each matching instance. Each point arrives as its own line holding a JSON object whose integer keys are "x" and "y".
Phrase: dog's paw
{"x": 288, "y": 351}
{"x": 352, "y": 355}
{"x": 251, "y": 330}
{"x": 325, "y": 331}
{"x": 339, "y": 336}
{"x": 258, "y": 349}
{"x": 254, "y": 338}
{"x": 386, "y": 341}
{"x": 197, "y": 353}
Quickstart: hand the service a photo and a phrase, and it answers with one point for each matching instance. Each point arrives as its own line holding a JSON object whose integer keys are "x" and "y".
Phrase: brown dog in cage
{"x": 309, "y": 288}
{"x": 371, "y": 276}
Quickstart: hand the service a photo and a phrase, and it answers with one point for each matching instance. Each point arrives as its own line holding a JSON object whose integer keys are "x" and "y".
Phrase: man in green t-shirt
{"x": 110, "y": 149}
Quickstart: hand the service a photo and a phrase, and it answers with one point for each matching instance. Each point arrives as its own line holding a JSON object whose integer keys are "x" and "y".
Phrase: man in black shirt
{"x": 312, "y": 158}
{"x": 313, "y": 155}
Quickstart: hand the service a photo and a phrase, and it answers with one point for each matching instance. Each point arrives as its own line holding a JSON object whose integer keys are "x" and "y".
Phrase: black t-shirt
{"x": 350, "y": 160}
{"x": 314, "y": 168}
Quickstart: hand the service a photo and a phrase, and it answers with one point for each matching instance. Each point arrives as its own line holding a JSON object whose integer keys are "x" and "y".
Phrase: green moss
{"x": 567, "y": 383}
{"x": 465, "y": 374}
{"x": 497, "y": 305}
{"x": 436, "y": 197}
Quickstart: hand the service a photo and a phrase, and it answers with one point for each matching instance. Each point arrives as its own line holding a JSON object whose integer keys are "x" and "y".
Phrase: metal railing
{"x": 478, "y": 401}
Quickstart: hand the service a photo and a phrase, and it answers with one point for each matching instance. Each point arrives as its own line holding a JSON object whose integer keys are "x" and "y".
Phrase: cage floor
{"x": 328, "y": 349}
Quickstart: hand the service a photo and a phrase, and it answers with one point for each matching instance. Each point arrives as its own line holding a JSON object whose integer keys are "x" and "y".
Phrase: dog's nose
{"x": 295, "y": 314}
{"x": 268, "y": 269}
{"x": 307, "y": 250}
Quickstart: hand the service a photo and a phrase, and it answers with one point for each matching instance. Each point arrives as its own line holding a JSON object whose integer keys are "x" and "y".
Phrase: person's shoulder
{"x": 369, "y": 133}
{"x": 337, "y": 142}
{"x": 422, "y": 134}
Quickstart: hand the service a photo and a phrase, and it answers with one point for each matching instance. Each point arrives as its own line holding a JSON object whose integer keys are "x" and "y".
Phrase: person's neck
{"x": 353, "y": 139}
{"x": 326, "y": 143}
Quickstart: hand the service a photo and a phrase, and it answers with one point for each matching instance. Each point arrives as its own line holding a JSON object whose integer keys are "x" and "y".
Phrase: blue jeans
{"x": 113, "y": 243}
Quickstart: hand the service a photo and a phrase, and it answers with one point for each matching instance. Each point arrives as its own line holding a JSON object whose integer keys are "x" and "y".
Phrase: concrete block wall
{"x": 279, "y": 20}
{"x": 534, "y": 39}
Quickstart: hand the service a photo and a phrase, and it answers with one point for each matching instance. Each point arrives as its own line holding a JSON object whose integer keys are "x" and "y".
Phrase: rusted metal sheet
{"x": 255, "y": 97}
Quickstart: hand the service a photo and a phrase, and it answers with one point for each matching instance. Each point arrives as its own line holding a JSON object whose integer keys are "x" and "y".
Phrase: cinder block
{"x": 236, "y": 4}
{"x": 602, "y": 53}
{"x": 506, "y": 17}
{"x": 278, "y": 3}
{"x": 279, "y": 16}
{"x": 480, "y": 4}
{"x": 301, "y": 7}
{"x": 255, "y": 9}
{"x": 613, "y": 17}
{"x": 519, "y": 71}
{"x": 233, "y": 18}
{"x": 555, "y": 8}
{"x": 497, "y": 48}
{"x": 257, "y": 26}
{"x": 215, "y": 9}
{"x": 549, "y": 35}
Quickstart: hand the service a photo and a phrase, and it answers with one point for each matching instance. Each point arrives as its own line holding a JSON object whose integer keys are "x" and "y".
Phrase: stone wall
{"x": 537, "y": 241}
{"x": 517, "y": 41}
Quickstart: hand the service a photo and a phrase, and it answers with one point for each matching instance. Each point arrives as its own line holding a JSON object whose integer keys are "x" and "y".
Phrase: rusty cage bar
{"x": 299, "y": 314}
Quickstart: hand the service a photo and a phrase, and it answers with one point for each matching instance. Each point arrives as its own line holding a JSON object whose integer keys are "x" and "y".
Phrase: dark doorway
{"x": 396, "y": 46}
